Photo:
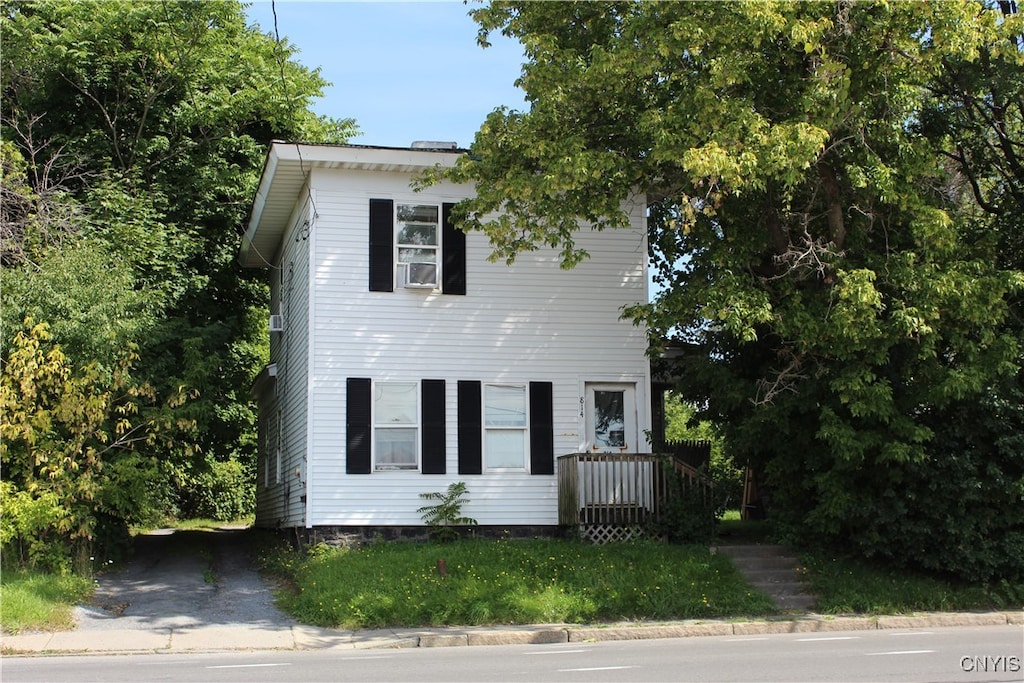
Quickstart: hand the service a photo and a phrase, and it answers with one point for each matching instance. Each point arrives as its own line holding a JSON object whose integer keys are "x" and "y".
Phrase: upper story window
{"x": 415, "y": 246}
{"x": 417, "y": 238}
{"x": 396, "y": 425}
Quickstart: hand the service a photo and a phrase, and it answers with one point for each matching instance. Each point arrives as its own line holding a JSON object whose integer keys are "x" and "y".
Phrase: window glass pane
{"x": 505, "y": 406}
{"x": 417, "y": 233}
{"x": 408, "y": 255}
{"x": 417, "y": 224}
{"x": 609, "y": 419}
{"x": 395, "y": 403}
{"x": 396, "y": 447}
{"x": 417, "y": 213}
{"x": 505, "y": 448}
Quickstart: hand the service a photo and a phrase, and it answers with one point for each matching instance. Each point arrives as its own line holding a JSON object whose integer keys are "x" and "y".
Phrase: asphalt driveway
{"x": 179, "y": 579}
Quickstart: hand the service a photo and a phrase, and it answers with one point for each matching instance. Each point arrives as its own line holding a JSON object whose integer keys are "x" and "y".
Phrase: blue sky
{"x": 404, "y": 71}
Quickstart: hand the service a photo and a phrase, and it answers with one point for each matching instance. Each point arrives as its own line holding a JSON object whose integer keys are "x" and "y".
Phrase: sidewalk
{"x": 218, "y": 638}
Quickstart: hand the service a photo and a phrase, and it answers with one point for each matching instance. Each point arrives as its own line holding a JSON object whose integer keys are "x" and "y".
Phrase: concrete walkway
{"x": 775, "y": 571}
{"x": 300, "y": 637}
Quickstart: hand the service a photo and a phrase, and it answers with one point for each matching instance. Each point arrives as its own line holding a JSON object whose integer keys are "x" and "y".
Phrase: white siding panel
{"x": 529, "y": 322}
{"x": 281, "y": 502}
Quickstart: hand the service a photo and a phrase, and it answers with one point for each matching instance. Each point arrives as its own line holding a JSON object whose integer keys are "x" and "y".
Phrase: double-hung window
{"x": 415, "y": 246}
{"x": 396, "y": 425}
{"x": 505, "y": 426}
{"x": 417, "y": 241}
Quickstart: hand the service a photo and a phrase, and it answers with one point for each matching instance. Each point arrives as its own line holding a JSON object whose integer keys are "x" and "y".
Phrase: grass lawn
{"x": 846, "y": 586}
{"x": 511, "y": 582}
{"x": 199, "y": 524}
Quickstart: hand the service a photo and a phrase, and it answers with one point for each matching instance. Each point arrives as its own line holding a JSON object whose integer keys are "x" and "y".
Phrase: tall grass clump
{"x": 478, "y": 582}
{"x": 39, "y": 601}
{"x": 845, "y": 585}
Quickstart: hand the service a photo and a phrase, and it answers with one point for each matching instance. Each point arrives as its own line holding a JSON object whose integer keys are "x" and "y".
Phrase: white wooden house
{"x": 402, "y": 360}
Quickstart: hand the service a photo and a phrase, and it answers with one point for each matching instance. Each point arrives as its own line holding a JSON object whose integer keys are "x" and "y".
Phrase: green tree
{"x": 54, "y": 270}
{"x": 72, "y": 443}
{"x": 159, "y": 114}
{"x": 682, "y": 424}
{"x": 816, "y": 232}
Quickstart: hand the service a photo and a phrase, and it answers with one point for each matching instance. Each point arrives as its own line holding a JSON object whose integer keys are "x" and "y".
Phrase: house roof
{"x": 287, "y": 170}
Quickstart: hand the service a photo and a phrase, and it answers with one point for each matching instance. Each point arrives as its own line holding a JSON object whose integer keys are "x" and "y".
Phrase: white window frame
{"x": 401, "y": 265}
{"x": 523, "y": 429}
{"x": 267, "y": 448}
{"x": 414, "y": 425}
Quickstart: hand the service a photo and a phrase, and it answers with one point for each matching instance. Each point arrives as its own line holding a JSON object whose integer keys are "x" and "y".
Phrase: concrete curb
{"x": 220, "y": 638}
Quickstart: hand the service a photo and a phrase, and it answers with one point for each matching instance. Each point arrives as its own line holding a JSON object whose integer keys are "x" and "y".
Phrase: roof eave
{"x": 304, "y": 157}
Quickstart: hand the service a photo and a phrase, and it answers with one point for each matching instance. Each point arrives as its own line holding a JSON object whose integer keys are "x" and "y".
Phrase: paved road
{"x": 942, "y": 655}
{"x": 180, "y": 579}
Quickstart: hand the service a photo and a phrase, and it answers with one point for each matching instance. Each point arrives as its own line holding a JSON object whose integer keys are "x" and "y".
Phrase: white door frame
{"x": 636, "y": 440}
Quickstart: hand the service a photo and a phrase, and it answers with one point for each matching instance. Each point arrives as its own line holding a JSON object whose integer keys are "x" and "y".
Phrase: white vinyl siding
{"x": 516, "y": 324}
{"x": 280, "y": 502}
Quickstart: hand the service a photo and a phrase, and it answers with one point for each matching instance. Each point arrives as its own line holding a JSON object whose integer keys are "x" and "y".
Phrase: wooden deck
{"x": 610, "y": 496}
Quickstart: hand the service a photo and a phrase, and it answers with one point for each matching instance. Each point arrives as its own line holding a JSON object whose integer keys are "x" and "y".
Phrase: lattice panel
{"x": 610, "y": 533}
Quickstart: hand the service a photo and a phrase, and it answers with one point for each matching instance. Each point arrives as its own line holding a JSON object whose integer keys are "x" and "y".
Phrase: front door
{"x": 610, "y": 417}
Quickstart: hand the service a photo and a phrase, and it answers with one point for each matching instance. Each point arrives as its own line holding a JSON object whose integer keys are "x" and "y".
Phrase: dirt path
{"x": 179, "y": 579}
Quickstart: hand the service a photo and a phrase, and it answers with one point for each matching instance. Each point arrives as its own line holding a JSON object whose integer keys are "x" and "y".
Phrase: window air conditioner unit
{"x": 421, "y": 275}
{"x": 276, "y": 323}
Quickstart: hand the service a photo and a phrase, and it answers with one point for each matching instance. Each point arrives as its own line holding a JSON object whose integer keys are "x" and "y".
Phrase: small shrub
{"x": 446, "y": 514}
{"x": 691, "y": 511}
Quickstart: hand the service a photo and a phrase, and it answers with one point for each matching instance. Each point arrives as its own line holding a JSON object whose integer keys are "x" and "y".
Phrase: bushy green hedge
{"x": 223, "y": 492}
{"x": 959, "y": 511}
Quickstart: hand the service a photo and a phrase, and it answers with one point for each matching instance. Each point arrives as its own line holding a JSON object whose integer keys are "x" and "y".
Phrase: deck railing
{"x": 622, "y": 489}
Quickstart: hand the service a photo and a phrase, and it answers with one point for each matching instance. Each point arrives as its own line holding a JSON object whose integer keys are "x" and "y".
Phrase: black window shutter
{"x": 432, "y": 415}
{"x": 542, "y": 429}
{"x": 470, "y": 435}
{"x": 453, "y": 254}
{"x": 358, "y": 429}
{"x": 382, "y": 245}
